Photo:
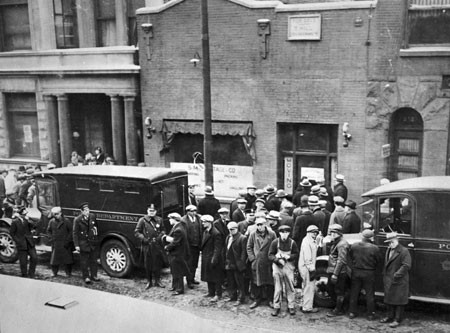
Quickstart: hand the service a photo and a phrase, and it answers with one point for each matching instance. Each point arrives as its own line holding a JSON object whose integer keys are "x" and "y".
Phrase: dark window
{"x": 185, "y": 145}
{"x": 131, "y": 188}
{"x": 434, "y": 215}
{"x": 133, "y": 5}
{"x": 65, "y": 23}
{"x": 83, "y": 184}
{"x": 106, "y": 22}
{"x": 46, "y": 190}
{"x": 428, "y": 24}
{"x": 105, "y": 186}
{"x": 23, "y": 125}
{"x": 395, "y": 214}
{"x": 14, "y": 26}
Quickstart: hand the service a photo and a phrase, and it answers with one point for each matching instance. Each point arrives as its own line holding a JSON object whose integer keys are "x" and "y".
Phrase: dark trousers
{"x": 362, "y": 279}
{"x": 395, "y": 312}
{"x": 193, "y": 263}
{"x": 178, "y": 284}
{"x": 68, "y": 270}
{"x": 150, "y": 270}
{"x": 88, "y": 262}
{"x": 236, "y": 282}
{"x": 23, "y": 261}
{"x": 215, "y": 288}
{"x": 339, "y": 290}
{"x": 263, "y": 292}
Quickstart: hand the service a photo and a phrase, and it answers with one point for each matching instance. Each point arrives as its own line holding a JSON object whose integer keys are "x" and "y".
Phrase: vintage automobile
{"x": 418, "y": 209}
{"x": 117, "y": 195}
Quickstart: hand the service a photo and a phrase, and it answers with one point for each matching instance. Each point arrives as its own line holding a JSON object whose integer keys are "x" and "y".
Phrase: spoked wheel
{"x": 115, "y": 258}
{"x": 8, "y": 248}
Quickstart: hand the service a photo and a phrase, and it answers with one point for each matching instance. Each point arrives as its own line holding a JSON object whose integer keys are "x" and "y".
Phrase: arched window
{"x": 406, "y": 141}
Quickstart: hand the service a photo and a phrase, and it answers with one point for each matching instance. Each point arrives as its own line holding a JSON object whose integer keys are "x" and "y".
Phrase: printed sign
{"x": 385, "y": 150}
{"x": 304, "y": 27}
{"x": 316, "y": 174}
{"x": 27, "y": 135}
{"x": 228, "y": 179}
{"x": 289, "y": 175}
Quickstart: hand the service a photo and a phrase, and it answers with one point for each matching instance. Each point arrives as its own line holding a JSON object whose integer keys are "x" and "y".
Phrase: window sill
{"x": 426, "y": 51}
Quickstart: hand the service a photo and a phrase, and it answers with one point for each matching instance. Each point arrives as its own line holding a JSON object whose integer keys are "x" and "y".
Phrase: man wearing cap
{"x": 364, "y": 256}
{"x": 209, "y": 205}
{"x": 323, "y": 206}
{"x": 258, "y": 246}
{"x": 149, "y": 230}
{"x": 337, "y": 217}
{"x": 192, "y": 199}
{"x": 274, "y": 221}
{"x": 340, "y": 190}
{"x": 212, "y": 271}
{"x": 314, "y": 206}
{"x": 238, "y": 214}
{"x": 85, "y": 238}
{"x": 24, "y": 186}
{"x": 249, "y": 220}
{"x": 194, "y": 234}
{"x": 250, "y": 196}
{"x": 60, "y": 235}
{"x": 324, "y": 195}
{"x": 351, "y": 223}
{"x": 234, "y": 203}
{"x": 283, "y": 253}
{"x": 338, "y": 270}
{"x": 178, "y": 248}
{"x": 260, "y": 205}
{"x": 302, "y": 222}
{"x": 269, "y": 191}
{"x": 397, "y": 264}
{"x": 235, "y": 263}
{"x": 21, "y": 232}
{"x": 286, "y": 217}
{"x": 307, "y": 268}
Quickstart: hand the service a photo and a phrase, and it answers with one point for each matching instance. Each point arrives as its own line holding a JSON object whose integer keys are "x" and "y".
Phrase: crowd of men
{"x": 257, "y": 249}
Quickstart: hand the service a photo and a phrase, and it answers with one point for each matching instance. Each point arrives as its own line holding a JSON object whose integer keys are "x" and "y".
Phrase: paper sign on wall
{"x": 27, "y": 135}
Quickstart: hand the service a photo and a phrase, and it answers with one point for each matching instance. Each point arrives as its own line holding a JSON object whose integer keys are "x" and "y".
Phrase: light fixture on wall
{"x": 196, "y": 59}
{"x": 147, "y": 28}
{"x": 347, "y": 136}
{"x": 150, "y": 129}
{"x": 264, "y": 33}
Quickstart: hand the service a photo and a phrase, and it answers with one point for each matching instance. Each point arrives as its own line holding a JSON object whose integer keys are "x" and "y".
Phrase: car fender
{"x": 5, "y": 222}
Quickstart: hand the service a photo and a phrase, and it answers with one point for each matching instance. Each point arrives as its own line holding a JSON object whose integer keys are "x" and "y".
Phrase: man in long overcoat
{"x": 85, "y": 238}
{"x": 149, "y": 230}
{"x": 212, "y": 271}
{"x": 352, "y": 222}
{"x": 194, "y": 234}
{"x": 209, "y": 205}
{"x": 59, "y": 231}
{"x": 178, "y": 249}
{"x": 258, "y": 246}
{"x": 397, "y": 264}
{"x": 20, "y": 231}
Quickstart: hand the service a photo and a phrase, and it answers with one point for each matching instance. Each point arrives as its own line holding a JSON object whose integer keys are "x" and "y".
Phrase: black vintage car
{"x": 418, "y": 209}
{"x": 117, "y": 195}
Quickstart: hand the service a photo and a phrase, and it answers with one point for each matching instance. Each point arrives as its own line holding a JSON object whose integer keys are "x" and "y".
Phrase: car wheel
{"x": 8, "y": 248}
{"x": 115, "y": 259}
{"x": 321, "y": 297}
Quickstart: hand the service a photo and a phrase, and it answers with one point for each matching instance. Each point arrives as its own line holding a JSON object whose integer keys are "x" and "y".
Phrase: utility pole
{"x": 207, "y": 139}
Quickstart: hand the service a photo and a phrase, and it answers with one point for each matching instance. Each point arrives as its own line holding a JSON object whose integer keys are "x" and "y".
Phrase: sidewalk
{"x": 23, "y": 309}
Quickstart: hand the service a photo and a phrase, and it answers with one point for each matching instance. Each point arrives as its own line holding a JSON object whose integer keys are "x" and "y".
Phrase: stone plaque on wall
{"x": 304, "y": 27}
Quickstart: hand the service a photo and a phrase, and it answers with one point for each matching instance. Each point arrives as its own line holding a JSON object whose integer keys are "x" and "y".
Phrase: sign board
{"x": 27, "y": 134}
{"x": 385, "y": 150}
{"x": 304, "y": 27}
{"x": 228, "y": 179}
{"x": 316, "y": 174}
{"x": 289, "y": 175}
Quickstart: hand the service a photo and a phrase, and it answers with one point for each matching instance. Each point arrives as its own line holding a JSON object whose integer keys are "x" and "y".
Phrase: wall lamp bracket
{"x": 264, "y": 33}
{"x": 150, "y": 129}
{"x": 196, "y": 59}
{"x": 345, "y": 133}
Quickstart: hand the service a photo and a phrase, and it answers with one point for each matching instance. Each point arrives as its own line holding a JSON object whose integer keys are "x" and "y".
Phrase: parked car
{"x": 418, "y": 209}
{"x": 117, "y": 195}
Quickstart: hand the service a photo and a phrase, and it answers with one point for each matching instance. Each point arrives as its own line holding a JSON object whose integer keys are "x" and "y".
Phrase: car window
{"x": 434, "y": 215}
{"x": 46, "y": 190}
{"x": 395, "y": 214}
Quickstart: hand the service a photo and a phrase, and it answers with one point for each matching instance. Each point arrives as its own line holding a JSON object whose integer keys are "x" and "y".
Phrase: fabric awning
{"x": 244, "y": 129}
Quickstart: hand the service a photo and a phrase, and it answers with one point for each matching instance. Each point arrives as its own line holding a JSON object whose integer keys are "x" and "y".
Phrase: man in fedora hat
{"x": 149, "y": 230}
{"x": 274, "y": 221}
{"x": 209, "y": 205}
{"x": 283, "y": 254}
{"x": 340, "y": 190}
{"x": 85, "y": 238}
{"x": 314, "y": 206}
{"x": 338, "y": 270}
{"x": 352, "y": 222}
{"x": 307, "y": 268}
{"x": 397, "y": 264}
{"x": 364, "y": 257}
{"x": 303, "y": 188}
{"x": 194, "y": 234}
{"x": 302, "y": 222}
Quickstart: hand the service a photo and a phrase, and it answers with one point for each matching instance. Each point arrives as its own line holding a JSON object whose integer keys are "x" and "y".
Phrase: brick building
{"x": 288, "y": 76}
{"x": 69, "y": 80}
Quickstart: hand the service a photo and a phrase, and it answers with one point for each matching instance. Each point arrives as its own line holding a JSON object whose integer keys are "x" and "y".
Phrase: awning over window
{"x": 244, "y": 129}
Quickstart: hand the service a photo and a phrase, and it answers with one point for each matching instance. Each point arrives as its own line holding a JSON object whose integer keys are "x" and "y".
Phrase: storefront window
{"x": 14, "y": 26}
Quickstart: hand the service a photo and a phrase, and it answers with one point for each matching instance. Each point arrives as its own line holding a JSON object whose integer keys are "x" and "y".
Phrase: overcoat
{"x": 396, "y": 276}
{"x": 351, "y": 223}
{"x": 60, "y": 236}
{"x": 149, "y": 231}
{"x": 236, "y": 254}
{"x": 178, "y": 251}
{"x": 212, "y": 258}
{"x": 237, "y": 215}
{"x": 21, "y": 233}
{"x": 85, "y": 233}
{"x": 258, "y": 254}
{"x": 209, "y": 205}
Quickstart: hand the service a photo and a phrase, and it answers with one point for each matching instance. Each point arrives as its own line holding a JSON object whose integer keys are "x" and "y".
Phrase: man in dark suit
{"x": 192, "y": 199}
{"x": 397, "y": 264}
{"x": 340, "y": 190}
{"x": 149, "y": 230}
{"x": 351, "y": 223}
{"x": 20, "y": 231}
{"x": 85, "y": 237}
{"x": 209, "y": 205}
{"x": 194, "y": 234}
{"x": 238, "y": 214}
{"x": 178, "y": 249}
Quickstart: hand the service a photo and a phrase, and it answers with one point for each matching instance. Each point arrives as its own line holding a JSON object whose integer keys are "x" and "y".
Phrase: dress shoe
{"x": 254, "y": 305}
{"x": 208, "y": 295}
{"x": 215, "y": 299}
{"x": 237, "y": 303}
{"x": 148, "y": 286}
{"x": 386, "y": 320}
{"x": 176, "y": 293}
{"x": 171, "y": 289}
{"x": 334, "y": 313}
{"x": 87, "y": 280}
{"x": 96, "y": 279}
{"x": 190, "y": 286}
{"x": 352, "y": 315}
{"x": 195, "y": 282}
{"x": 276, "y": 312}
{"x": 394, "y": 324}
{"x": 291, "y": 311}
{"x": 159, "y": 284}
{"x": 230, "y": 299}
{"x": 271, "y": 305}
{"x": 313, "y": 310}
